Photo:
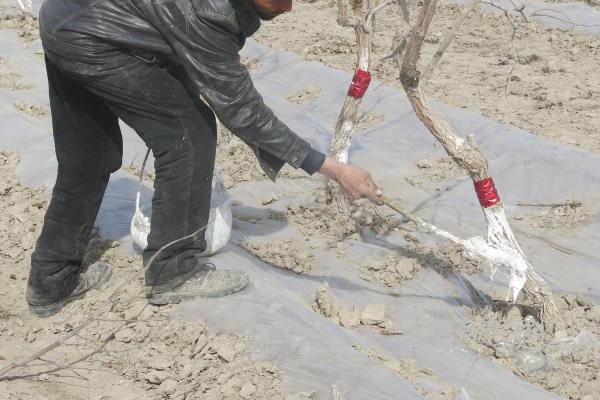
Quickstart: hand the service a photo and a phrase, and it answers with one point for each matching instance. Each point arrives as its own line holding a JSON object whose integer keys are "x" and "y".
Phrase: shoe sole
{"x": 176, "y": 298}
{"x": 49, "y": 310}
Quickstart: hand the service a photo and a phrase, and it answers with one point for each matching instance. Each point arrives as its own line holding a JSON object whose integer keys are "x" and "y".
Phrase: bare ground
{"x": 554, "y": 91}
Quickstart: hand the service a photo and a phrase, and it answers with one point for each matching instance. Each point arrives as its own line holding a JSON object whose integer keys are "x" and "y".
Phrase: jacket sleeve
{"x": 207, "y": 45}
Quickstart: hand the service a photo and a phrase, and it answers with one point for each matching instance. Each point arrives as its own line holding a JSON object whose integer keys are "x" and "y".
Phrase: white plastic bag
{"x": 218, "y": 230}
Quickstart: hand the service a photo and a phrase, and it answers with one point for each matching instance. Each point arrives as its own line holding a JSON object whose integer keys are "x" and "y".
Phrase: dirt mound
{"x": 552, "y": 92}
{"x": 392, "y": 270}
{"x": 132, "y": 350}
{"x": 237, "y": 162}
{"x": 304, "y": 95}
{"x": 26, "y": 26}
{"x": 562, "y": 217}
{"x": 31, "y": 109}
{"x": 368, "y": 120}
{"x": 372, "y": 315}
{"x": 565, "y": 360}
{"x": 10, "y": 81}
{"x": 424, "y": 380}
{"x": 284, "y": 254}
{"x": 435, "y": 170}
{"x": 322, "y": 218}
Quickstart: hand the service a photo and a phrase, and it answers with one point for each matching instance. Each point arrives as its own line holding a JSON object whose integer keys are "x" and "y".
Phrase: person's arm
{"x": 206, "y": 45}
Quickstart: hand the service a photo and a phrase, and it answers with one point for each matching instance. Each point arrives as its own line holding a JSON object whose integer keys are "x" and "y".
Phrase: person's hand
{"x": 356, "y": 182}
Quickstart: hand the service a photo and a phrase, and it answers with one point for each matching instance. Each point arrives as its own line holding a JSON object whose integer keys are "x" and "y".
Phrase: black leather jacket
{"x": 204, "y": 38}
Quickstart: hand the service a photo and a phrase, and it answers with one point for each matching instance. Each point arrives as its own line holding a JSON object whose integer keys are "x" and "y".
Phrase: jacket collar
{"x": 247, "y": 18}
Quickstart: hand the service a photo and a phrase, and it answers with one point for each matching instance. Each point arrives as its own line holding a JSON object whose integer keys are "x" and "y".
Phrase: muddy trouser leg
{"x": 181, "y": 131}
{"x": 88, "y": 147}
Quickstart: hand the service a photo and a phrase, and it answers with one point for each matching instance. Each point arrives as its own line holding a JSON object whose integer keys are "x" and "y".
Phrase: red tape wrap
{"x": 486, "y": 192}
{"x": 360, "y": 83}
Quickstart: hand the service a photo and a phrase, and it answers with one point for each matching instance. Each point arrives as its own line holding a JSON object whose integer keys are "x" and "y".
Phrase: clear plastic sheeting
{"x": 275, "y": 311}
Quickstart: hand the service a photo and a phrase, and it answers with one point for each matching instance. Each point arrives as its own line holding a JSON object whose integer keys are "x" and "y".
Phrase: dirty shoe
{"x": 206, "y": 282}
{"x": 95, "y": 275}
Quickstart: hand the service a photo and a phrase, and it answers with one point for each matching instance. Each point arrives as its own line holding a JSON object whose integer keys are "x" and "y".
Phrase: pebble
{"x": 372, "y": 314}
{"x": 349, "y": 318}
{"x": 168, "y": 386}
{"x": 156, "y": 377}
{"x": 247, "y": 390}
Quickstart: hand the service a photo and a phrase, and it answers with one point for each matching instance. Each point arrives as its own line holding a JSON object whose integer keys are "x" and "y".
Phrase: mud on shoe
{"x": 206, "y": 282}
{"x": 95, "y": 275}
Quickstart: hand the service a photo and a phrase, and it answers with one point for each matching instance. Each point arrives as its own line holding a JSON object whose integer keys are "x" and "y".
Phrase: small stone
{"x": 247, "y": 390}
{"x": 227, "y": 353}
{"x": 124, "y": 336}
{"x": 156, "y": 377}
{"x": 349, "y": 318}
{"x": 593, "y": 314}
{"x": 513, "y": 313}
{"x": 387, "y": 328}
{"x": 13, "y": 277}
{"x": 583, "y": 302}
{"x": 372, "y": 314}
{"x": 168, "y": 386}
{"x": 159, "y": 364}
{"x": 44, "y": 377}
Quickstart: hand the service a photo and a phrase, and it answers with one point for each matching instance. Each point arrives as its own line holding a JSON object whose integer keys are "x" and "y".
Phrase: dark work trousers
{"x": 86, "y": 101}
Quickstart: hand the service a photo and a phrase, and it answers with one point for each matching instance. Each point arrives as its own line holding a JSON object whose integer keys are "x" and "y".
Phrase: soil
{"x": 553, "y": 91}
{"x": 322, "y": 218}
{"x": 427, "y": 384}
{"x": 368, "y": 120}
{"x": 134, "y": 350}
{"x": 372, "y": 315}
{"x": 564, "y": 360}
{"x": 31, "y": 109}
{"x": 10, "y": 81}
{"x": 304, "y": 95}
{"x": 391, "y": 270}
{"x": 237, "y": 161}
{"x": 561, "y": 217}
{"x": 284, "y": 254}
{"x": 27, "y": 27}
{"x": 435, "y": 170}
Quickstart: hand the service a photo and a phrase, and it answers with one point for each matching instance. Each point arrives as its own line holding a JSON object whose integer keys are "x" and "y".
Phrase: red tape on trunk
{"x": 486, "y": 192}
{"x": 360, "y": 83}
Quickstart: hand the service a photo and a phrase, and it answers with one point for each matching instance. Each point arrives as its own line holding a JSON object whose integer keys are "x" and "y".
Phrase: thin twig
{"x": 447, "y": 39}
{"x": 512, "y": 42}
{"x": 91, "y": 318}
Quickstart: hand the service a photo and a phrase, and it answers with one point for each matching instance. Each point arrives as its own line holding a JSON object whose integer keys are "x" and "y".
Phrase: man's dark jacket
{"x": 201, "y": 36}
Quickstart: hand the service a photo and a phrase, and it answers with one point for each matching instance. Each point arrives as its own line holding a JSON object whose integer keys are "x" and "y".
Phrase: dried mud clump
{"x": 424, "y": 380}
{"x": 22, "y": 213}
{"x": 372, "y": 315}
{"x": 392, "y": 270}
{"x": 562, "y": 217}
{"x": 284, "y": 254}
{"x": 435, "y": 170}
{"x": 304, "y": 95}
{"x": 26, "y": 26}
{"x": 251, "y": 63}
{"x": 133, "y": 350}
{"x": 322, "y": 218}
{"x": 10, "y": 81}
{"x": 238, "y": 163}
{"x": 31, "y": 109}
{"x": 369, "y": 119}
{"x": 564, "y": 360}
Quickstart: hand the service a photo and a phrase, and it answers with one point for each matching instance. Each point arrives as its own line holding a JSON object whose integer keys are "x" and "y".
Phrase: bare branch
{"x": 110, "y": 301}
{"x": 466, "y": 154}
{"x": 448, "y": 38}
